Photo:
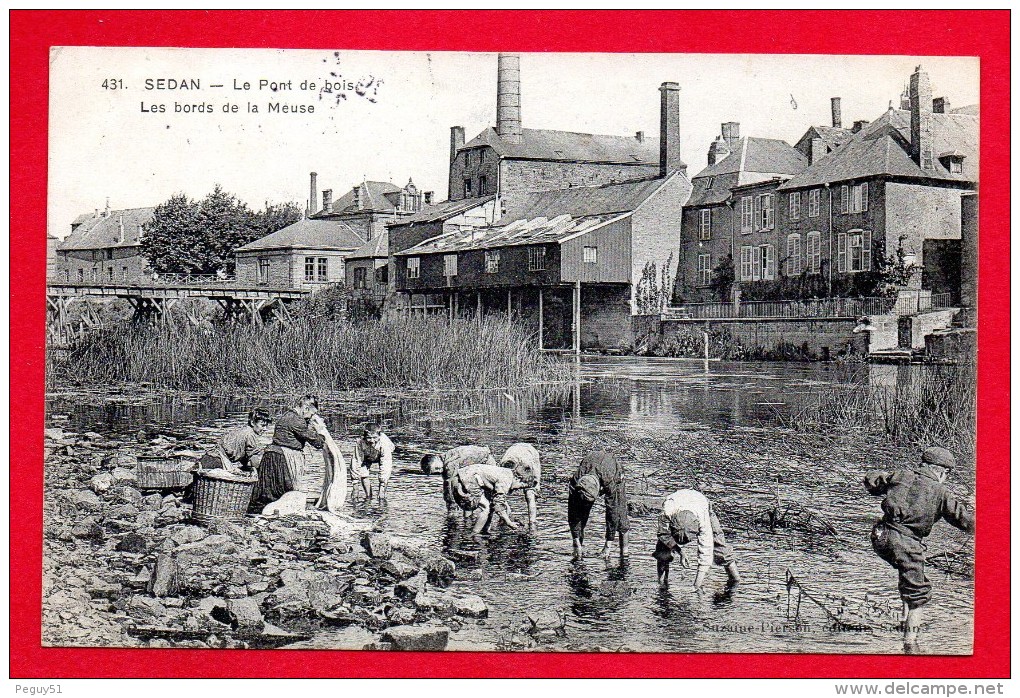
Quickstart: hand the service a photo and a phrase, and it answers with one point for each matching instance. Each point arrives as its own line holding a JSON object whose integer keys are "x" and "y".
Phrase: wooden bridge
{"x": 152, "y": 302}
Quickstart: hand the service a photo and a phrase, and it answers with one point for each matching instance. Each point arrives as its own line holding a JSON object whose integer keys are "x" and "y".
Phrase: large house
{"x": 368, "y": 207}
{"x": 824, "y": 213}
{"x": 307, "y": 254}
{"x": 511, "y": 161}
{"x": 104, "y": 247}
{"x": 581, "y": 223}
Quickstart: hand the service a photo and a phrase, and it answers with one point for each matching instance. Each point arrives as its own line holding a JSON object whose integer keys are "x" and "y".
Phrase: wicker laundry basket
{"x": 163, "y": 473}
{"x": 221, "y": 496}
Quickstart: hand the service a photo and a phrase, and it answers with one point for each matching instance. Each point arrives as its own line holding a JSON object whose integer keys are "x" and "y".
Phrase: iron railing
{"x": 904, "y": 304}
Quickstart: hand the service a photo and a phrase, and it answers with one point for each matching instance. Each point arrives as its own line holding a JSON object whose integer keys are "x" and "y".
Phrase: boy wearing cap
{"x": 484, "y": 489}
{"x": 687, "y": 516}
{"x": 450, "y": 462}
{"x": 915, "y": 499}
{"x": 373, "y": 447}
{"x": 524, "y": 458}
{"x": 598, "y": 473}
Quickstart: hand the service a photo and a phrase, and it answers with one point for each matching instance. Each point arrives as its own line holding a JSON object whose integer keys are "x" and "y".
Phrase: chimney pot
{"x": 731, "y": 133}
{"x": 922, "y": 140}
{"x": 106, "y": 213}
{"x": 837, "y": 114}
{"x": 508, "y": 98}
{"x": 940, "y": 105}
{"x": 429, "y": 197}
{"x": 669, "y": 130}
{"x": 718, "y": 151}
{"x": 313, "y": 194}
{"x": 859, "y": 125}
{"x": 327, "y": 200}
{"x": 818, "y": 150}
{"x": 640, "y": 136}
{"x": 456, "y": 141}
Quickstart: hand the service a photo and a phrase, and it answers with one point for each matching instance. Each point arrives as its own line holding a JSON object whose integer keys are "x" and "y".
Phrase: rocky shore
{"x": 127, "y": 568}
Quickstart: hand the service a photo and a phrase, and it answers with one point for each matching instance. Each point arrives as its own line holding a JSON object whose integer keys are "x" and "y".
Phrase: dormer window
{"x": 953, "y": 161}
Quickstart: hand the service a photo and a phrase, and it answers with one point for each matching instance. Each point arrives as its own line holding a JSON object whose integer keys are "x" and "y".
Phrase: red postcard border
{"x": 968, "y": 33}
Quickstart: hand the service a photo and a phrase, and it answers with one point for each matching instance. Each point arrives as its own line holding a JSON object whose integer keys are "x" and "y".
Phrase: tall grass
{"x": 933, "y": 405}
{"x": 416, "y": 352}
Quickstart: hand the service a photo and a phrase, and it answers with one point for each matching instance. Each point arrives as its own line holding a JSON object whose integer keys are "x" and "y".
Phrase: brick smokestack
{"x": 837, "y": 113}
{"x": 669, "y": 130}
{"x": 313, "y": 193}
{"x": 456, "y": 141}
{"x": 718, "y": 151}
{"x": 731, "y": 133}
{"x": 922, "y": 136}
{"x": 940, "y": 105}
{"x": 818, "y": 150}
{"x": 508, "y": 98}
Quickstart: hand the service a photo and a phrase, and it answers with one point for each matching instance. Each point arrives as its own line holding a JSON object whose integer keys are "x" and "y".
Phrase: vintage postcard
{"x": 515, "y": 352}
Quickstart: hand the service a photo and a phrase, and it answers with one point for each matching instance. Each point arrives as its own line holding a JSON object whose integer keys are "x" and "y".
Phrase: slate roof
{"x": 376, "y": 196}
{"x": 832, "y": 136}
{"x": 544, "y": 144}
{"x": 586, "y": 201}
{"x": 444, "y": 210}
{"x": 104, "y": 231}
{"x": 309, "y": 234}
{"x": 883, "y": 148}
{"x": 758, "y": 156}
{"x": 522, "y": 232}
{"x": 373, "y": 249}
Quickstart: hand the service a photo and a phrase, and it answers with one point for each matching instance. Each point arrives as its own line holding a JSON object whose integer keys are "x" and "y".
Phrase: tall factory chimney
{"x": 313, "y": 194}
{"x": 669, "y": 130}
{"x": 922, "y": 135}
{"x": 837, "y": 113}
{"x": 456, "y": 141}
{"x": 508, "y": 98}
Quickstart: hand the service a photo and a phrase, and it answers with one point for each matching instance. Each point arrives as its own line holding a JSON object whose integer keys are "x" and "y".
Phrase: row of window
{"x": 93, "y": 274}
{"x": 536, "y": 261}
{"x": 803, "y": 254}
{"x": 757, "y": 212}
{"x": 483, "y": 186}
{"x": 361, "y": 276}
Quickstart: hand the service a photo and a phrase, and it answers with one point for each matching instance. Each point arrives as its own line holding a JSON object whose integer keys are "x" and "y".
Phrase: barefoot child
{"x": 486, "y": 488}
{"x": 524, "y": 456}
{"x": 687, "y": 516}
{"x": 373, "y": 447}
{"x": 915, "y": 499}
{"x": 598, "y": 473}
{"x": 450, "y": 462}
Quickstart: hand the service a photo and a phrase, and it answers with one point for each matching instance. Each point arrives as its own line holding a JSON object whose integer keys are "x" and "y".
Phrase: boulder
{"x": 147, "y": 609}
{"x": 470, "y": 605}
{"x": 54, "y": 434}
{"x": 246, "y": 616}
{"x": 132, "y": 543}
{"x": 353, "y": 637}
{"x": 402, "y": 615}
{"x": 123, "y": 511}
{"x": 123, "y": 476}
{"x": 101, "y": 482}
{"x": 188, "y": 534}
{"x": 377, "y": 545}
{"x": 152, "y": 502}
{"x": 83, "y": 500}
{"x": 126, "y": 494}
{"x": 88, "y": 529}
{"x": 546, "y": 619}
{"x": 398, "y": 569}
{"x": 102, "y": 589}
{"x": 418, "y": 638}
{"x": 165, "y": 580}
{"x": 410, "y": 588}
{"x": 435, "y": 601}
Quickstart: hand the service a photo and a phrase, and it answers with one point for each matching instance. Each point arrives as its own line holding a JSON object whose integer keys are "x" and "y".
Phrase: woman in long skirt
{"x": 283, "y": 465}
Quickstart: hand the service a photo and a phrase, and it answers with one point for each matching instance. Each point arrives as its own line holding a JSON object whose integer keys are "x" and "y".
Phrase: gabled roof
{"x": 544, "y": 144}
{"x": 444, "y": 210}
{"x": 375, "y": 196}
{"x": 882, "y": 148}
{"x": 832, "y": 136}
{"x": 586, "y": 201}
{"x": 373, "y": 249}
{"x": 750, "y": 161}
{"x": 530, "y": 231}
{"x": 104, "y": 231}
{"x": 309, "y": 234}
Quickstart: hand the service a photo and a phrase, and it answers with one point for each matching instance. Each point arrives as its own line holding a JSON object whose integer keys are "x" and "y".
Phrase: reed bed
{"x": 931, "y": 405}
{"x": 415, "y": 352}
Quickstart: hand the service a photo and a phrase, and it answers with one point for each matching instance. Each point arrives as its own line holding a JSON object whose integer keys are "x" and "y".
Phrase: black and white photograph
{"x": 515, "y": 352}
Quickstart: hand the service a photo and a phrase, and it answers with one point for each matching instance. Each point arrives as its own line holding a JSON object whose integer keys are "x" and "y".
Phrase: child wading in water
{"x": 484, "y": 489}
{"x": 915, "y": 499}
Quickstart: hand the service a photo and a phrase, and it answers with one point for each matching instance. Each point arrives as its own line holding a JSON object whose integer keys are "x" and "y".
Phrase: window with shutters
{"x": 814, "y": 203}
{"x": 491, "y": 261}
{"x": 536, "y": 258}
{"x": 859, "y": 250}
{"x": 763, "y": 212}
{"x": 450, "y": 265}
{"x": 704, "y": 269}
{"x": 705, "y": 228}
{"x": 413, "y": 267}
{"x": 794, "y": 205}
{"x": 814, "y": 253}
{"x": 360, "y": 277}
{"x": 322, "y": 268}
{"x": 746, "y": 263}
{"x": 793, "y": 255}
{"x": 844, "y": 199}
{"x": 854, "y": 198}
{"x": 746, "y": 214}
{"x": 768, "y": 262}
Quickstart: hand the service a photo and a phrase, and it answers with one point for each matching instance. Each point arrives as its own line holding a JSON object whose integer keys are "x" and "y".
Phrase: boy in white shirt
{"x": 687, "y": 516}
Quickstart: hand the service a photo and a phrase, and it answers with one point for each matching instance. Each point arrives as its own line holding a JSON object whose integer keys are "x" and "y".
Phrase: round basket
{"x": 221, "y": 496}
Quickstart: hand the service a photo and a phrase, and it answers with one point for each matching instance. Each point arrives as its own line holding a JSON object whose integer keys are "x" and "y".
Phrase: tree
{"x": 723, "y": 277}
{"x": 189, "y": 237}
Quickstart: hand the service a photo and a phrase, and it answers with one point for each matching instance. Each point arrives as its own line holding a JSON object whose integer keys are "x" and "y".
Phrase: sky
{"x": 389, "y": 115}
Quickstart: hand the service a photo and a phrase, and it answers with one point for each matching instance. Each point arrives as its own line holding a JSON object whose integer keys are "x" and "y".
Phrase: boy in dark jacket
{"x": 915, "y": 499}
{"x": 598, "y": 474}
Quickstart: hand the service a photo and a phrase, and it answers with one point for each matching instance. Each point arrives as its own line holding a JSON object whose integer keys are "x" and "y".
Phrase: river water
{"x": 673, "y": 423}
